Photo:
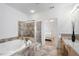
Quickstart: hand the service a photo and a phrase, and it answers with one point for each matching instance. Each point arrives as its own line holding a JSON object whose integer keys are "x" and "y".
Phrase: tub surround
{"x": 12, "y": 47}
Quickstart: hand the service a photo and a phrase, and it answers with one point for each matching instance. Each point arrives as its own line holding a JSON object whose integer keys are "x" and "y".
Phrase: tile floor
{"x": 48, "y": 50}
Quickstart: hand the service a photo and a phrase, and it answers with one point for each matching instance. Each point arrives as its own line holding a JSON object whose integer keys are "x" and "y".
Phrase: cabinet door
{"x": 62, "y": 47}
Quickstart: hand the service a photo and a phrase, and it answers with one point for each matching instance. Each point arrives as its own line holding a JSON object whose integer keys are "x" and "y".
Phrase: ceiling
{"x": 38, "y": 7}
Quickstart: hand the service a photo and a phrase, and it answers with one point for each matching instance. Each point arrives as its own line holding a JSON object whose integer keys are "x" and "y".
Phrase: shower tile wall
{"x": 26, "y": 29}
{"x": 38, "y": 31}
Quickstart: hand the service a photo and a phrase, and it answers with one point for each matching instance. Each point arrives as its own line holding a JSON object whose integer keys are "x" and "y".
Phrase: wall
{"x": 9, "y": 21}
{"x": 75, "y": 17}
{"x": 64, "y": 19}
{"x": 62, "y": 13}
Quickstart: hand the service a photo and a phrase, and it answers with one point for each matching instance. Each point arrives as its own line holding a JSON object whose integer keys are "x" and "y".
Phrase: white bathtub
{"x": 12, "y": 47}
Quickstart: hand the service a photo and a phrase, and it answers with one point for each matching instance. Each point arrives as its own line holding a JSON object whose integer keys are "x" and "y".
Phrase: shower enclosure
{"x": 30, "y": 29}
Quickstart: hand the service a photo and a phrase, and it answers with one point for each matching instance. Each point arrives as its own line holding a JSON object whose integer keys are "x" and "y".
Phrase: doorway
{"x": 49, "y": 31}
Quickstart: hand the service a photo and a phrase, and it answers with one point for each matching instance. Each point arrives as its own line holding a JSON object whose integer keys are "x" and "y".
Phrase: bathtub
{"x": 12, "y": 47}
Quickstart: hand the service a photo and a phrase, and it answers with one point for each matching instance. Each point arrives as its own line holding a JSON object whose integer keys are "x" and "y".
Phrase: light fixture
{"x": 76, "y": 8}
{"x": 51, "y": 20}
{"x": 32, "y": 11}
{"x": 51, "y": 7}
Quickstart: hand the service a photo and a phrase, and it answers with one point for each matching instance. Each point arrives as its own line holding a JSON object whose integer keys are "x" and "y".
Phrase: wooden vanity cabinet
{"x": 64, "y": 51}
{"x": 62, "y": 47}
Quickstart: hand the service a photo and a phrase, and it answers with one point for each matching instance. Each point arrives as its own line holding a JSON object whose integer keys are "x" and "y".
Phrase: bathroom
{"x": 38, "y": 29}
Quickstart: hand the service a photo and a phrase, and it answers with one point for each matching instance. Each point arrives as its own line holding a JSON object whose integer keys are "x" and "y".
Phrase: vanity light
{"x": 32, "y": 11}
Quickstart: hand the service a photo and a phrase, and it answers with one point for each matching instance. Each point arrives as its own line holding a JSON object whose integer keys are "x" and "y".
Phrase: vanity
{"x": 69, "y": 48}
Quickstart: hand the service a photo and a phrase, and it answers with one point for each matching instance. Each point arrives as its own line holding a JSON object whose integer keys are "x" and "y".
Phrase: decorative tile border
{"x": 7, "y": 39}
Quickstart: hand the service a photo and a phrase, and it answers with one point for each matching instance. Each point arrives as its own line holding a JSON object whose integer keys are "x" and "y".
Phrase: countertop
{"x": 74, "y": 45}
